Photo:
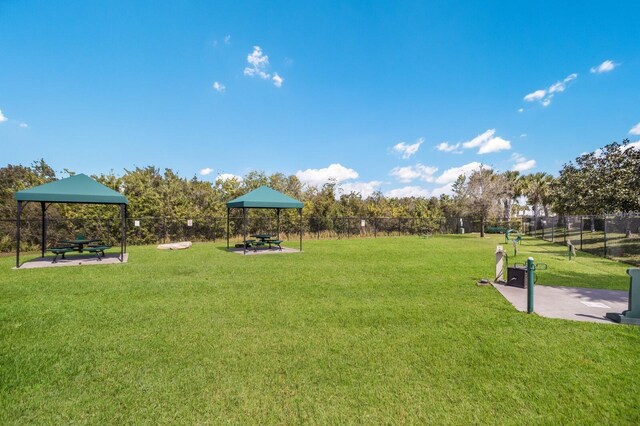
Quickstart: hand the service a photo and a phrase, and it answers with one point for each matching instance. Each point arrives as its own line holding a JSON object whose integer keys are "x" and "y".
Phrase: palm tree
{"x": 537, "y": 188}
{"x": 513, "y": 191}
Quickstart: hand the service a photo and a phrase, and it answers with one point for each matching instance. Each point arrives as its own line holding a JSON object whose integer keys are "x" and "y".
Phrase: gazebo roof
{"x": 265, "y": 198}
{"x": 79, "y": 188}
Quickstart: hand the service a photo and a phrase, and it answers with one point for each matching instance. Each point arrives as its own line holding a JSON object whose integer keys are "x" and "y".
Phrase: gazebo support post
{"x": 244, "y": 229}
{"x": 126, "y": 213}
{"x": 300, "y": 213}
{"x": 278, "y": 224}
{"x": 228, "y": 228}
{"x": 18, "y": 234}
{"x": 122, "y": 232}
{"x": 44, "y": 227}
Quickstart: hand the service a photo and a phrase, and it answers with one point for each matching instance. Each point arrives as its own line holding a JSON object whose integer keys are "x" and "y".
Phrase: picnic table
{"x": 263, "y": 239}
{"x": 79, "y": 245}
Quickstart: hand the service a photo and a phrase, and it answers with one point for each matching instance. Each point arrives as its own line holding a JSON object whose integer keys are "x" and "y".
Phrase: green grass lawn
{"x": 387, "y": 330}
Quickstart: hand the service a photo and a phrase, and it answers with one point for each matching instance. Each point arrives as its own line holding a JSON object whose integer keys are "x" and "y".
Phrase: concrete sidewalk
{"x": 572, "y": 303}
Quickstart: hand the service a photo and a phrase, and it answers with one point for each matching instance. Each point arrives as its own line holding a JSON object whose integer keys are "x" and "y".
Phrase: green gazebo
{"x": 263, "y": 198}
{"x": 79, "y": 189}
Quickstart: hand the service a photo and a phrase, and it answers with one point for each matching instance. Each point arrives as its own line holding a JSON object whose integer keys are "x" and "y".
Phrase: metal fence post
{"x": 581, "y": 228}
{"x": 604, "y": 227}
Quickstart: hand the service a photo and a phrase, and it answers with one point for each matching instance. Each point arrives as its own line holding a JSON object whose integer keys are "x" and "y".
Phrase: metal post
{"x": 278, "y": 224}
{"x": 604, "y": 227}
{"x": 126, "y": 212}
{"x": 44, "y": 228}
{"x": 122, "y": 232}
{"x": 228, "y": 228}
{"x": 300, "y": 212}
{"x": 18, "y": 234}
{"x": 244, "y": 229}
{"x": 581, "y": 227}
{"x": 530, "y": 272}
{"x": 164, "y": 229}
{"x": 552, "y": 230}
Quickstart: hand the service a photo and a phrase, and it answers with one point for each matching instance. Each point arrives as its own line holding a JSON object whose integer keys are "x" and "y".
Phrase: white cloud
{"x": 227, "y": 39}
{"x": 494, "y": 145}
{"x": 316, "y": 177}
{"x": 257, "y": 59}
{"x": 227, "y": 176}
{"x": 480, "y": 139}
{"x": 634, "y": 145}
{"x": 545, "y": 96}
{"x": 521, "y": 164}
{"x": 405, "y": 174}
{"x": 277, "y": 80}
{"x": 523, "y": 135}
{"x": 520, "y": 109}
{"x": 450, "y": 175}
{"x": 407, "y": 150}
{"x": 606, "y": 66}
{"x": 258, "y": 64}
{"x": 560, "y": 86}
{"x": 365, "y": 189}
{"x": 535, "y": 96}
{"x": 408, "y": 173}
{"x": 447, "y": 147}
{"x": 442, "y": 190}
{"x": 206, "y": 171}
{"x": 219, "y": 86}
{"x": 2, "y": 117}
{"x": 408, "y": 191}
{"x": 635, "y": 130}
{"x": 487, "y": 142}
{"x": 23, "y": 125}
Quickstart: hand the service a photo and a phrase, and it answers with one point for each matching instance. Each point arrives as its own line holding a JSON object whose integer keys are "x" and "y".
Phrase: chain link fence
{"x": 156, "y": 230}
{"x": 612, "y": 236}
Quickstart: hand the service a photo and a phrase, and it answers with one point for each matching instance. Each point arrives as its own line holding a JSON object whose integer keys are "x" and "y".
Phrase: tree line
{"x": 604, "y": 181}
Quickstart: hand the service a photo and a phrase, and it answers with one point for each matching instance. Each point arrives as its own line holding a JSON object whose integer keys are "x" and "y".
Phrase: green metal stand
{"x": 530, "y": 272}
{"x": 631, "y": 315}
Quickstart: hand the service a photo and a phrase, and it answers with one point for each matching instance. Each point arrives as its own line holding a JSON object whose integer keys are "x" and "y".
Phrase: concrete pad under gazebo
{"x": 263, "y": 198}
{"x": 77, "y": 260}
{"x": 77, "y": 189}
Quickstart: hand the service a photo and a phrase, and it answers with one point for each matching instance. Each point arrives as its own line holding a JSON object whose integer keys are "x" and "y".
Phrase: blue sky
{"x": 396, "y": 96}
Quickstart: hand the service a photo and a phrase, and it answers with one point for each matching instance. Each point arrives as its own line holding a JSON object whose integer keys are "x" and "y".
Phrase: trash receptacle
{"x": 517, "y": 276}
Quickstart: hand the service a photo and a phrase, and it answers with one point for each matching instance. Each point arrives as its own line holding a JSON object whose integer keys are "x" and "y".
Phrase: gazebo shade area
{"x": 263, "y": 198}
{"x": 77, "y": 189}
